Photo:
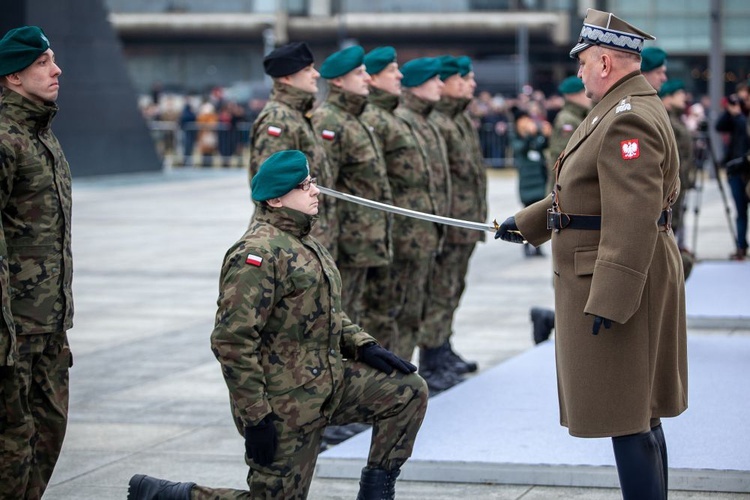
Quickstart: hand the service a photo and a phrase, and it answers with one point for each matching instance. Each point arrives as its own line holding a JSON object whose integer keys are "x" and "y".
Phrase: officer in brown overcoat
{"x": 619, "y": 289}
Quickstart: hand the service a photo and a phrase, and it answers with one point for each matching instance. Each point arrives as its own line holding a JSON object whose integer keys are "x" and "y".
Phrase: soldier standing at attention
{"x": 654, "y": 66}
{"x": 617, "y": 268}
{"x": 571, "y": 115}
{"x": 359, "y": 169}
{"x": 403, "y": 285}
{"x": 36, "y": 267}
{"x": 292, "y": 360}
{"x": 422, "y": 89}
{"x": 284, "y": 123}
{"x": 467, "y": 201}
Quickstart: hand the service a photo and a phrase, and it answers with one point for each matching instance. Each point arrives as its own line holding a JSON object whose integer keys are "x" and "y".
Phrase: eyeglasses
{"x": 305, "y": 185}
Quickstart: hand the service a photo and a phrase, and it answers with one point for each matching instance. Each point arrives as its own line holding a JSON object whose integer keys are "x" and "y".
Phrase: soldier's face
{"x": 300, "y": 200}
{"x": 388, "y": 80}
{"x": 657, "y": 77}
{"x": 470, "y": 85}
{"x": 357, "y": 81}
{"x": 305, "y": 79}
{"x": 39, "y": 82}
{"x": 453, "y": 86}
{"x": 590, "y": 66}
{"x": 429, "y": 90}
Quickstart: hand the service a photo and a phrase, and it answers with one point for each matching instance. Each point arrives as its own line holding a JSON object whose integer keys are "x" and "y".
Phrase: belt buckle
{"x": 557, "y": 220}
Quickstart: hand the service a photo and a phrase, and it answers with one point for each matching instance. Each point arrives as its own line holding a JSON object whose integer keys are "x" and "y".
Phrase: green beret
{"x": 571, "y": 85}
{"x": 652, "y": 58}
{"x": 670, "y": 87}
{"x": 418, "y": 71}
{"x": 464, "y": 65}
{"x": 20, "y": 47}
{"x": 448, "y": 67}
{"x": 279, "y": 174}
{"x": 342, "y": 62}
{"x": 377, "y": 59}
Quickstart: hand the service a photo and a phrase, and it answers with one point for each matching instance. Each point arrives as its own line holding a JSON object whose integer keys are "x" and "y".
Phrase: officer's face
{"x": 39, "y": 82}
{"x": 300, "y": 199}
{"x": 657, "y": 77}
{"x": 388, "y": 80}
{"x": 429, "y": 90}
{"x": 356, "y": 81}
{"x": 590, "y": 66}
{"x": 305, "y": 79}
{"x": 454, "y": 86}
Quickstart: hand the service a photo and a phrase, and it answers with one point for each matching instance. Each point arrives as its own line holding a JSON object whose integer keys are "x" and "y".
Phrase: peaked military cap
{"x": 377, "y": 59}
{"x": 652, "y": 58}
{"x": 571, "y": 85}
{"x": 448, "y": 67}
{"x": 20, "y": 47}
{"x": 279, "y": 174}
{"x": 418, "y": 71}
{"x": 464, "y": 65}
{"x": 288, "y": 59}
{"x": 670, "y": 87}
{"x": 342, "y": 62}
{"x": 606, "y": 29}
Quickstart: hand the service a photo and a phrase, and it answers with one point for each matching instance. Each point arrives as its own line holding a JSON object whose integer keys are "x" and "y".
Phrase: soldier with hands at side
{"x": 292, "y": 359}
{"x": 621, "y": 343}
{"x": 36, "y": 266}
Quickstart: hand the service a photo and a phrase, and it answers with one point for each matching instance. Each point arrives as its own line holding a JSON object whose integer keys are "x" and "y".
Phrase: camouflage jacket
{"x": 684, "y": 148}
{"x": 279, "y": 325}
{"x": 284, "y": 123}
{"x": 415, "y": 112}
{"x": 359, "y": 169}
{"x": 408, "y": 176}
{"x": 566, "y": 122}
{"x": 36, "y": 263}
{"x": 468, "y": 177}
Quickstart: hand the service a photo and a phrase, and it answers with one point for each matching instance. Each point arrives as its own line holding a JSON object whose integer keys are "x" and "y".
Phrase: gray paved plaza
{"x": 147, "y": 395}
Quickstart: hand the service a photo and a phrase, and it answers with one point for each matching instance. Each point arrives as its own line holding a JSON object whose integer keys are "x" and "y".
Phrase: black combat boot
{"x": 431, "y": 369}
{"x": 544, "y": 322}
{"x": 377, "y": 484}
{"x": 658, "y": 433}
{"x": 456, "y": 363}
{"x": 639, "y": 467}
{"x": 143, "y": 487}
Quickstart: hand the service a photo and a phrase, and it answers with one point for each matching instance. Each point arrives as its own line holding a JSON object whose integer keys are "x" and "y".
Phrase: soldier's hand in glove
{"x": 508, "y": 231}
{"x": 384, "y": 360}
{"x": 598, "y": 322}
{"x": 261, "y": 441}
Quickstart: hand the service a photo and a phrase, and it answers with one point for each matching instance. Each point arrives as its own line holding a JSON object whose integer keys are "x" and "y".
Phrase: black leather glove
{"x": 261, "y": 441}
{"x": 737, "y": 166}
{"x": 598, "y": 322}
{"x": 384, "y": 360}
{"x": 508, "y": 231}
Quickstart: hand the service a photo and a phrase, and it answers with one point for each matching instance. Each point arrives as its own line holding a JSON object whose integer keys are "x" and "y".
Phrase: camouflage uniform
{"x": 566, "y": 122}
{"x": 286, "y": 347}
{"x": 37, "y": 304}
{"x": 468, "y": 201}
{"x": 284, "y": 123}
{"x": 687, "y": 167}
{"x": 359, "y": 169}
{"x": 414, "y": 241}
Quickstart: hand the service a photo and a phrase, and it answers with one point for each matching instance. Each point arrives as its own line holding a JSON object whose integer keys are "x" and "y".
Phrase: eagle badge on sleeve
{"x": 630, "y": 149}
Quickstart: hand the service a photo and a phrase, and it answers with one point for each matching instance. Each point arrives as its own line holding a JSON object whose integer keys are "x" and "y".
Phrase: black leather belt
{"x": 560, "y": 220}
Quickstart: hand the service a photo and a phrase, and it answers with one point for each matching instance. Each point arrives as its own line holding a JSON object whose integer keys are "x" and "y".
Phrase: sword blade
{"x": 438, "y": 219}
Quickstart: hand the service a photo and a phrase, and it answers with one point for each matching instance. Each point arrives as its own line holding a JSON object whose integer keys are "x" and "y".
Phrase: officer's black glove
{"x": 737, "y": 166}
{"x": 261, "y": 441}
{"x": 508, "y": 231}
{"x": 384, "y": 360}
{"x": 598, "y": 322}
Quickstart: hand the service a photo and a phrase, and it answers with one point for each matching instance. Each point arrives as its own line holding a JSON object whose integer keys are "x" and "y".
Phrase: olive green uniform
{"x": 415, "y": 241}
{"x": 284, "y": 123}
{"x": 36, "y": 271}
{"x": 286, "y": 347}
{"x": 566, "y": 122}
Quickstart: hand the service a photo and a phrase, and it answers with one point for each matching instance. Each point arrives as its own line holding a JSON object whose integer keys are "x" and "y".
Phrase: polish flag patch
{"x": 328, "y": 135}
{"x": 630, "y": 149}
{"x": 254, "y": 260}
{"x": 274, "y": 131}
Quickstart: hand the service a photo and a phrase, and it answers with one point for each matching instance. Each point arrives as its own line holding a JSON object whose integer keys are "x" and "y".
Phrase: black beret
{"x": 20, "y": 47}
{"x": 288, "y": 59}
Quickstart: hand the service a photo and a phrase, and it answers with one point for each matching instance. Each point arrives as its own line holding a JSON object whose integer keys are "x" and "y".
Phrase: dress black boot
{"x": 639, "y": 467}
{"x": 431, "y": 369}
{"x": 658, "y": 433}
{"x": 543, "y": 322}
{"x": 377, "y": 484}
{"x": 143, "y": 487}
{"x": 456, "y": 363}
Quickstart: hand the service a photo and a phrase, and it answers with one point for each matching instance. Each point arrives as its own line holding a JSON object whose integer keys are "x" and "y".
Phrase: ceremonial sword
{"x": 438, "y": 219}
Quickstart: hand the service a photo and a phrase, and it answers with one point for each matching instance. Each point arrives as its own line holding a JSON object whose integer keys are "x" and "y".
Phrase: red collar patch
{"x": 630, "y": 149}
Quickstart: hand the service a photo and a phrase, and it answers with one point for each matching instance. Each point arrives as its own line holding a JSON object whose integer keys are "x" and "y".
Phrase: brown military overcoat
{"x": 621, "y": 163}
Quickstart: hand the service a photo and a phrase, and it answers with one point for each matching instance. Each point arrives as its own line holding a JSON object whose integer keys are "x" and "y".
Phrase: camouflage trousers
{"x": 34, "y": 416}
{"x": 394, "y": 404}
{"x": 394, "y": 304}
{"x": 447, "y": 284}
